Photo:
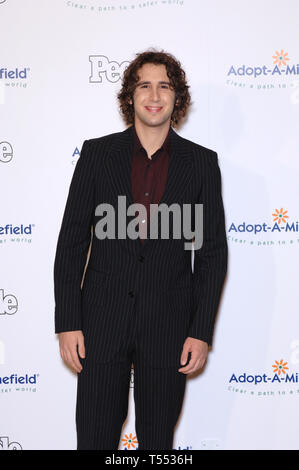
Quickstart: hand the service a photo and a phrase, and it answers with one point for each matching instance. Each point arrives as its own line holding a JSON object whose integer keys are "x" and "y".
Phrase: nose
{"x": 155, "y": 94}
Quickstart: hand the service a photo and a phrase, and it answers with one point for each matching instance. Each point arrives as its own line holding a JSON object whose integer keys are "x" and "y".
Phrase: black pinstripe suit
{"x": 138, "y": 302}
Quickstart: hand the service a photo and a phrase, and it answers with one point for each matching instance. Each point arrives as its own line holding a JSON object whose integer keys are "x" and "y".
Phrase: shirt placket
{"x": 147, "y": 198}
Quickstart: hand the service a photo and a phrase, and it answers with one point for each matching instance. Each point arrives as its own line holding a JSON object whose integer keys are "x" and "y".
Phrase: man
{"x": 140, "y": 303}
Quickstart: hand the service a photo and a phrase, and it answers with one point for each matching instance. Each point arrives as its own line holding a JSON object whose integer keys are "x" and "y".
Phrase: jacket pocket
{"x": 94, "y": 275}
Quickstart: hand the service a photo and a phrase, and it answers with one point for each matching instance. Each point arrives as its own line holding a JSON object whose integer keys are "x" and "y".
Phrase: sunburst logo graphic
{"x": 280, "y": 58}
{"x": 130, "y": 441}
{"x": 280, "y": 215}
{"x": 280, "y": 367}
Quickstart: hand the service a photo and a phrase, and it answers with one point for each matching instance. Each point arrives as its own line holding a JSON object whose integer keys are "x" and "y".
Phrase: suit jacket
{"x": 147, "y": 289}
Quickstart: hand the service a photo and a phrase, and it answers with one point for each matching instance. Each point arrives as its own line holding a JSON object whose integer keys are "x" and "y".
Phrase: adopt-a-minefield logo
{"x": 130, "y": 442}
{"x": 18, "y": 383}
{"x": 121, "y": 6}
{"x": 15, "y": 77}
{"x": 20, "y": 233}
{"x": 278, "y": 74}
{"x": 283, "y": 231}
{"x": 281, "y": 381}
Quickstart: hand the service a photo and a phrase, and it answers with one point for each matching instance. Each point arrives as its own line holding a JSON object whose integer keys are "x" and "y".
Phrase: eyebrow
{"x": 147, "y": 82}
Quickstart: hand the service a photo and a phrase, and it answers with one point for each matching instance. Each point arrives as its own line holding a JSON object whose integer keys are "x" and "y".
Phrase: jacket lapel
{"x": 119, "y": 164}
{"x": 118, "y": 167}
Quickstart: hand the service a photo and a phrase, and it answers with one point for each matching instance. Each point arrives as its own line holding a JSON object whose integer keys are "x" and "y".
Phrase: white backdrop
{"x": 241, "y": 61}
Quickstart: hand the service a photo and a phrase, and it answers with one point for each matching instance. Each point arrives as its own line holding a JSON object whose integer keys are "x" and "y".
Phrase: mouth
{"x": 153, "y": 109}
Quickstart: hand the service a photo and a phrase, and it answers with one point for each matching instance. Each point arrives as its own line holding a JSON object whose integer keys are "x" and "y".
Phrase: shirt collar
{"x": 138, "y": 146}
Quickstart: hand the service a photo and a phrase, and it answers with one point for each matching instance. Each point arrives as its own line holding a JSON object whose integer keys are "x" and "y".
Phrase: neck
{"x": 151, "y": 138}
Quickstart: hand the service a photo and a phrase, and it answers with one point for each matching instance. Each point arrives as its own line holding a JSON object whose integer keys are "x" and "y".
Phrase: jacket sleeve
{"x": 73, "y": 243}
{"x": 210, "y": 261}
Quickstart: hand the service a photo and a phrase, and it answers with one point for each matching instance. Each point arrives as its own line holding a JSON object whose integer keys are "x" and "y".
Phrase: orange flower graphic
{"x": 280, "y": 215}
{"x": 280, "y": 58}
{"x": 130, "y": 441}
{"x": 280, "y": 367}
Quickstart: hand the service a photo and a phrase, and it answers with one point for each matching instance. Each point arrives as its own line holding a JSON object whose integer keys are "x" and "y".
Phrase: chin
{"x": 155, "y": 122}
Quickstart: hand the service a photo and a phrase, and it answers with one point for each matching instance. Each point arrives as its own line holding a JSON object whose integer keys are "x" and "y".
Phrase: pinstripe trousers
{"x": 103, "y": 394}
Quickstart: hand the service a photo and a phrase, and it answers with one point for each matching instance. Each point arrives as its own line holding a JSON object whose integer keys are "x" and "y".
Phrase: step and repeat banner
{"x": 61, "y": 64}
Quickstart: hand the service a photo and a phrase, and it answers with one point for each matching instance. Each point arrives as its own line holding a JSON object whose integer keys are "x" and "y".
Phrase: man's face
{"x": 153, "y": 97}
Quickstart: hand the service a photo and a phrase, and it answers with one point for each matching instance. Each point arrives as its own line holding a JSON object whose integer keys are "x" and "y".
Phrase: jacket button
{"x": 131, "y": 293}
{"x": 141, "y": 258}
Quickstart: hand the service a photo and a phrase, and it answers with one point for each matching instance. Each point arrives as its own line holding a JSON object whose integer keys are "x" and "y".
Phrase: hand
{"x": 199, "y": 353}
{"x": 68, "y": 342}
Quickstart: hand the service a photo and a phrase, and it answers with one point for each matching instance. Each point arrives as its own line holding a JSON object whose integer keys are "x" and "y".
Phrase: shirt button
{"x": 131, "y": 293}
{"x": 143, "y": 221}
{"x": 146, "y": 194}
{"x": 141, "y": 258}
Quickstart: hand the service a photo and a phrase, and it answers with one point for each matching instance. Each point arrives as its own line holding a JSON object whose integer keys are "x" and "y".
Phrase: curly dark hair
{"x": 176, "y": 76}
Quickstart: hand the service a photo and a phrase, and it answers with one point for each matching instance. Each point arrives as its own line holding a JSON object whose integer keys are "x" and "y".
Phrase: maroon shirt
{"x": 149, "y": 176}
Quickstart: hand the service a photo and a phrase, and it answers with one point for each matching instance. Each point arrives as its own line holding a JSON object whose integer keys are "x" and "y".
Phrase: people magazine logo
{"x": 8, "y": 304}
{"x": 282, "y": 381}
{"x": 104, "y": 69}
{"x": 5, "y": 444}
{"x": 283, "y": 231}
{"x": 6, "y": 152}
{"x": 11, "y": 233}
{"x": 278, "y": 72}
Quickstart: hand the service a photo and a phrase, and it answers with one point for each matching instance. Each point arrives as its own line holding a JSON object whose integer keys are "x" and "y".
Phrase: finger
{"x": 199, "y": 365}
{"x": 192, "y": 363}
{"x": 75, "y": 359}
{"x": 67, "y": 358}
{"x": 81, "y": 347}
{"x": 187, "y": 368}
{"x": 64, "y": 356}
{"x": 195, "y": 368}
{"x": 184, "y": 370}
{"x": 184, "y": 355}
{"x": 61, "y": 353}
{"x": 70, "y": 361}
{"x": 184, "y": 360}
